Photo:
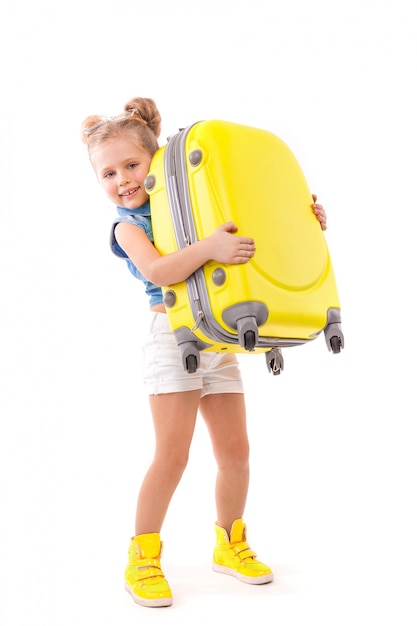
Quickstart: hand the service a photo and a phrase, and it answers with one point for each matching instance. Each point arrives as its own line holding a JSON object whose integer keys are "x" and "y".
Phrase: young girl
{"x": 120, "y": 151}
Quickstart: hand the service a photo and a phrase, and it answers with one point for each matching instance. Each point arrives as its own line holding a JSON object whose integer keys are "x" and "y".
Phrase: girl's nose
{"x": 123, "y": 179}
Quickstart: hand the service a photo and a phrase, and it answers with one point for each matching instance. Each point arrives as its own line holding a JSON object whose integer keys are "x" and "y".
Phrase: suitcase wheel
{"x": 335, "y": 344}
{"x": 247, "y": 331}
{"x": 191, "y": 363}
{"x": 275, "y": 361}
{"x": 333, "y": 333}
{"x": 250, "y": 340}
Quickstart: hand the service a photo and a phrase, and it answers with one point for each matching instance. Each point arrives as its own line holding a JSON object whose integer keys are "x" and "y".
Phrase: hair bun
{"x": 146, "y": 109}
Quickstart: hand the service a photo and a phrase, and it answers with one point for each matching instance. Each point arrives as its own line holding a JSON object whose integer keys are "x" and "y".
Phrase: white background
{"x": 332, "y": 499}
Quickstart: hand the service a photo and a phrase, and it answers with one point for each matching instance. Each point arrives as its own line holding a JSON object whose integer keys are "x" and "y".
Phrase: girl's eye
{"x": 108, "y": 174}
{"x": 132, "y": 165}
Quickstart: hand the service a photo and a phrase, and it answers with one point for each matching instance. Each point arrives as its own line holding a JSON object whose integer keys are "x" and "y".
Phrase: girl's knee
{"x": 173, "y": 461}
{"x": 237, "y": 459}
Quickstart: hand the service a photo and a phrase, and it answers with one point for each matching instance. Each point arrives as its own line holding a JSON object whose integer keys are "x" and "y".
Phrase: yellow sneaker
{"x": 234, "y": 557}
{"x": 144, "y": 579}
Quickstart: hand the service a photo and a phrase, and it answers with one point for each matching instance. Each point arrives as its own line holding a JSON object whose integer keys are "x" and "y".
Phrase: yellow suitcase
{"x": 216, "y": 171}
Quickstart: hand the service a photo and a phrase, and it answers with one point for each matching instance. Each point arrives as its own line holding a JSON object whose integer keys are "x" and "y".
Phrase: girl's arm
{"x": 221, "y": 246}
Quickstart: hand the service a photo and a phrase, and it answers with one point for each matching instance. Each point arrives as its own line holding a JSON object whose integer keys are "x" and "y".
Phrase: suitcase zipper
{"x": 180, "y": 208}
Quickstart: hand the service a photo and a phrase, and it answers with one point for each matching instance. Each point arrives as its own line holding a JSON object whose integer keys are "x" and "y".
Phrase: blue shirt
{"x": 140, "y": 217}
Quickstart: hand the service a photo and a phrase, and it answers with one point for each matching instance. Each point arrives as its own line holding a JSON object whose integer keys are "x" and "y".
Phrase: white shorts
{"x": 164, "y": 371}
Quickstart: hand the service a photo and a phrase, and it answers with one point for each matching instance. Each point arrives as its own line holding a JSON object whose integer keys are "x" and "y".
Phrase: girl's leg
{"x": 174, "y": 417}
{"x": 225, "y": 416}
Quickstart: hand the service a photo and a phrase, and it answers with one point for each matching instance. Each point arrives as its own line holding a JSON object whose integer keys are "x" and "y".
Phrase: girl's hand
{"x": 229, "y": 248}
{"x": 319, "y": 212}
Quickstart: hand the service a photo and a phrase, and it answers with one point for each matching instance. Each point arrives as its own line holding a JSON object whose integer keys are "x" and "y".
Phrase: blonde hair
{"x": 140, "y": 120}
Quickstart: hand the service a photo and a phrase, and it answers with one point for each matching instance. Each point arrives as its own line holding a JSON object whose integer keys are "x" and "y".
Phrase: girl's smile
{"x": 129, "y": 193}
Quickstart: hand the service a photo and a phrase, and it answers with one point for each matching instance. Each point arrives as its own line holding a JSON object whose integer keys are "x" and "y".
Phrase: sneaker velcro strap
{"x": 243, "y": 551}
{"x": 150, "y": 563}
{"x": 153, "y": 568}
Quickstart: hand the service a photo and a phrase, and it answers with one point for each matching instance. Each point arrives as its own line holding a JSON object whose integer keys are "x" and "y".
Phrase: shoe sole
{"x": 157, "y": 602}
{"x": 251, "y": 580}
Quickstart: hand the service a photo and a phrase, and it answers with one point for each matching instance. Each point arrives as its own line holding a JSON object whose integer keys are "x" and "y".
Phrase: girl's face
{"x": 121, "y": 168}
